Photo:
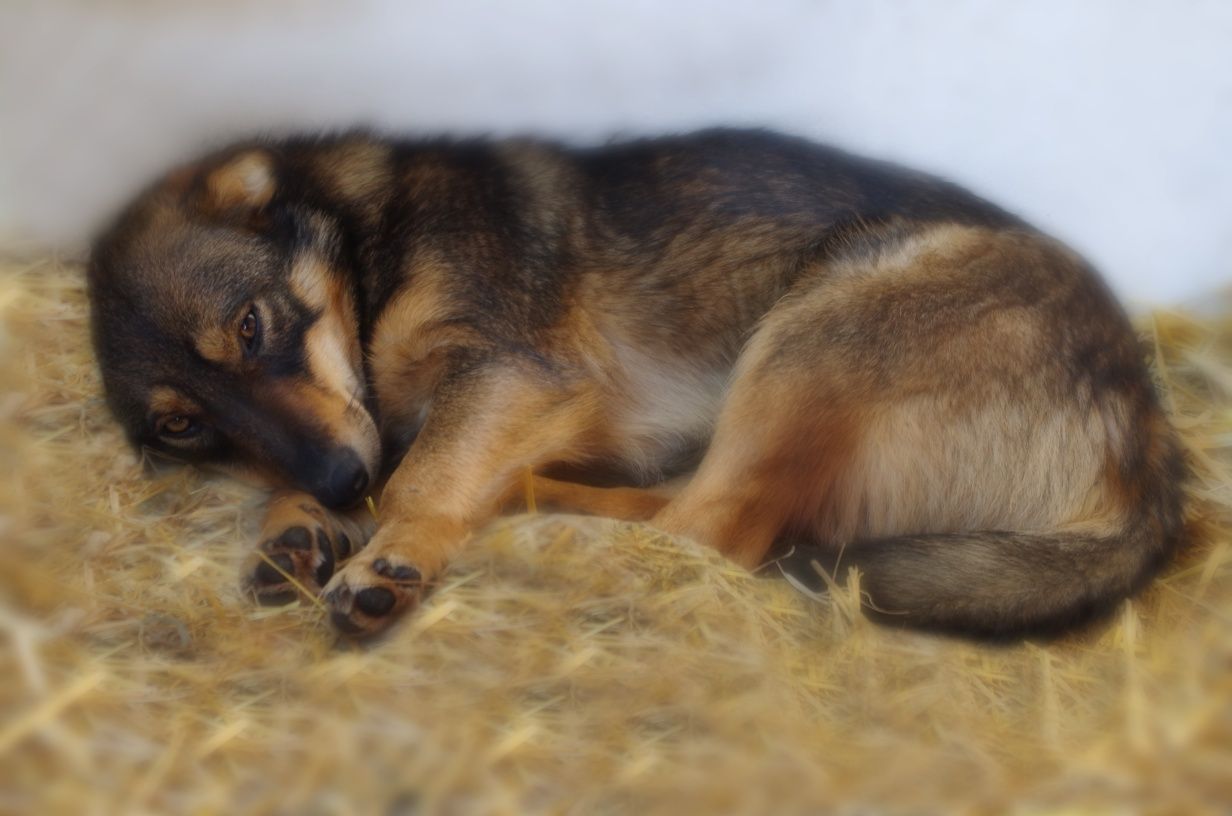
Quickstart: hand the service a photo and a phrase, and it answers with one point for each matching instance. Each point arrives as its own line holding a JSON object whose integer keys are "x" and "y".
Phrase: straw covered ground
{"x": 566, "y": 665}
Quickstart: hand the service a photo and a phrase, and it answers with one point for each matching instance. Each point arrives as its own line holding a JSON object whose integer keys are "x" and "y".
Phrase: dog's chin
{"x": 249, "y": 474}
{"x": 264, "y": 479}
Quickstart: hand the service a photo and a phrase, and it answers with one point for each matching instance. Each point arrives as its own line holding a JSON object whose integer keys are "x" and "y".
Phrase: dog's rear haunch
{"x": 843, "y": 351}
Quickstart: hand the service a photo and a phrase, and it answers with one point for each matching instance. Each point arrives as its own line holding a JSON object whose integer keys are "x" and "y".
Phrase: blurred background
{"x": 585, "y": 673}
{"x": 1107, "y": 122}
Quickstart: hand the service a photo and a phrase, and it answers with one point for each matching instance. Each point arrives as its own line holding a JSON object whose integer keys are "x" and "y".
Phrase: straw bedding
{"x": 566, "y": 665}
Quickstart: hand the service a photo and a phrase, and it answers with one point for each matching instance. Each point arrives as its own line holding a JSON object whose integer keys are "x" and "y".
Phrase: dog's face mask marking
{"x": 227, "y": 333}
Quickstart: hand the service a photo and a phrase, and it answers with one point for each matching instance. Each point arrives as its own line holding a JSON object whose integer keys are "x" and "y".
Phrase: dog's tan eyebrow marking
{"x": 220, "y": 344}
{"x": 310, "y": 281}
{"x": 216, "y": 344}
{"x": 167, "y": 401}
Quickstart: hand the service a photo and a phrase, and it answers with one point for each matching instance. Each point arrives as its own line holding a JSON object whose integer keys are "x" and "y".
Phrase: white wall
{"x": 1108, "y": 122}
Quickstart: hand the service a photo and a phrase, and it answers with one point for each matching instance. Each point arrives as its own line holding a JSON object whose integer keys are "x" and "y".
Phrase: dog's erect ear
{"x": 240, "y": 186}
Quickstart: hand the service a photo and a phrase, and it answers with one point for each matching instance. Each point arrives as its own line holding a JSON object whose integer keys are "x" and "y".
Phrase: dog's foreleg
{"x": 486, "y": 427}
{"x": 302, "y": 544}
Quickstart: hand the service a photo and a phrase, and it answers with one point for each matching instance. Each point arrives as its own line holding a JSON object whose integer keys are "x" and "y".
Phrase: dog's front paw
{"x": 371, "y": 592}
{"x": 299, "y": 551}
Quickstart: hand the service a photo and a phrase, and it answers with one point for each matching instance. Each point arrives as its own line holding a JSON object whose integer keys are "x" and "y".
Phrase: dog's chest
{"x": 406, "y": 359}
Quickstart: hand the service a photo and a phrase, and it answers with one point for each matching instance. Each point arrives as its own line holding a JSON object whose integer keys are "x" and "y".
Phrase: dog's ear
{"x": 239, "y": 187}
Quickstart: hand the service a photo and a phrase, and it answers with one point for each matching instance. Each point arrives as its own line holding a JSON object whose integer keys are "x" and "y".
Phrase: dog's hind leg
{"x": 624, "y": 503}
{"x": 784, "y": 438}
{"x": 966, "y": 413}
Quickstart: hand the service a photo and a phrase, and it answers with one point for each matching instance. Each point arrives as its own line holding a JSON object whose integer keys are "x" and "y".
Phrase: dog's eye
{"x": 178, "y": 426}
{"x": 250, "y": 331}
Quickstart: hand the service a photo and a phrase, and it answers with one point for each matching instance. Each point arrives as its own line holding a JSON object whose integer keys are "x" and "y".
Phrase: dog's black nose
{"x": 346, "y": 481}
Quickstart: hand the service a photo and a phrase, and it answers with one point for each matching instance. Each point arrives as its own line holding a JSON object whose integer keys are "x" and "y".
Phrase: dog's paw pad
{"x": 401, "y": 572}
{"x": 275, "y": 570}
{"x": 365, "y": 599}
{"x": 269, "y": 580}
{"x": 299, "y": 555}
{"x": 293, "y": 538}
{"x": 376, "y": 602}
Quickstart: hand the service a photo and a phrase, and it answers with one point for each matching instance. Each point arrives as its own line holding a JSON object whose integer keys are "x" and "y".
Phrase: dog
{"x": 814, "y": 346}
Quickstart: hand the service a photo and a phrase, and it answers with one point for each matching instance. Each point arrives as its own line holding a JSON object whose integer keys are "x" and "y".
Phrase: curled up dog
{"x": 825, "y": 349}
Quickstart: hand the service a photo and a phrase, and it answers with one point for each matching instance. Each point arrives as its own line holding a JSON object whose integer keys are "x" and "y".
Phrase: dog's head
{"x": 226, "y": 329}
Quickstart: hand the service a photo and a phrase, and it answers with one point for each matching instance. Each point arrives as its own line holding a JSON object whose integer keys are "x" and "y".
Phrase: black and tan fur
{"x": 844, "y": 351}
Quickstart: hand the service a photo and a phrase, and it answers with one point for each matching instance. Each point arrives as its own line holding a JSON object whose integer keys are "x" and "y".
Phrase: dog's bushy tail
{"x": 998, "y": 585}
